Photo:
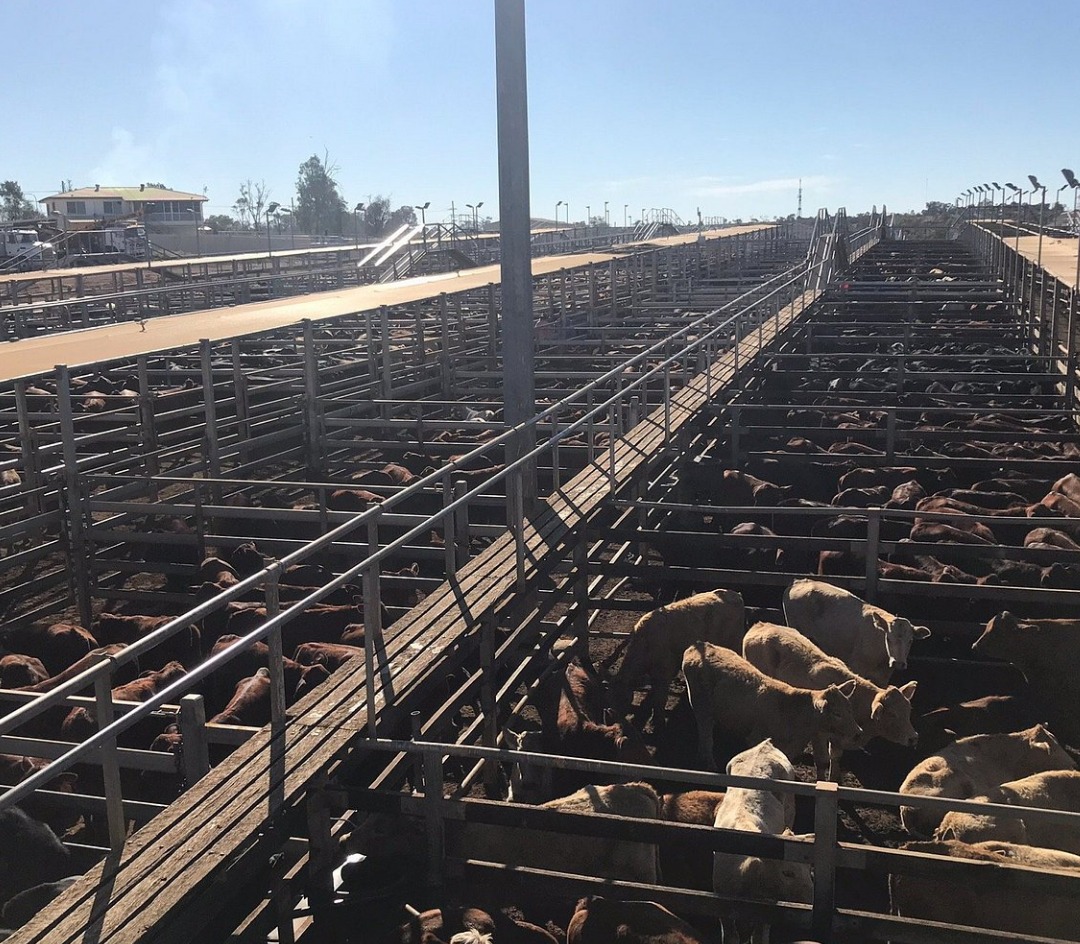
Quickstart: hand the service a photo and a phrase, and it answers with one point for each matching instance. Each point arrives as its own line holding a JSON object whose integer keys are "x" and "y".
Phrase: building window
{"x": 76, "y": 208}
{"x": 112, "y": 207}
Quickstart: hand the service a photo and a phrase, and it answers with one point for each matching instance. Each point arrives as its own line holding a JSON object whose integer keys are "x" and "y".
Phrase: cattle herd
{"x": 892, "y": 510}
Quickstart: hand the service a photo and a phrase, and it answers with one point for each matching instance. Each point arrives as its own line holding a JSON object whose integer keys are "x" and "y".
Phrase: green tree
{"x": 319, "y": 205}
{"x": 221, "y": 222}
{"x": 249, "y": 205}
{"x": 14, "y": 204}
{"x": 379, "y": 220}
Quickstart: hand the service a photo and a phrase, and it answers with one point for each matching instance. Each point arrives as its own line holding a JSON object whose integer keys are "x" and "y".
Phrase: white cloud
{"x": 125, "y": 162}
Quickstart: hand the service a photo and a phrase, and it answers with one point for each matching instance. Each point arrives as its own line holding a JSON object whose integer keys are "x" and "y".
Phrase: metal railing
{"x": 722, "y": 332}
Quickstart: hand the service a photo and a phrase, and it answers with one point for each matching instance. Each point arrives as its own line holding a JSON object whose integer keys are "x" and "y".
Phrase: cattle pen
{"x": 779, "y": 353}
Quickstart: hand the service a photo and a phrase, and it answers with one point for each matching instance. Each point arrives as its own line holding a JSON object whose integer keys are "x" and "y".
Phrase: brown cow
{"x": 79, "y": 724}
{"x": 332, "y": 655}
{"x": 183, "y": 646}
{"x": 19, "y": 671}
{"x": 1046, "y": 651}
{"x": 250, "y": 704}
{"x": 57, "y": 646}
{"x": 597, "y": 920}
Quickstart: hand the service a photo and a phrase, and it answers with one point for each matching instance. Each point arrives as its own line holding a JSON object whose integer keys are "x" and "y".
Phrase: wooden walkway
{"x": 174, "y": 875}
{"x": 34, "y": 356}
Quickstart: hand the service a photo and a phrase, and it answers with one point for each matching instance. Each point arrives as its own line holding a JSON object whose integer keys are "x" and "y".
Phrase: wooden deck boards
{"x": 166, "y": 880}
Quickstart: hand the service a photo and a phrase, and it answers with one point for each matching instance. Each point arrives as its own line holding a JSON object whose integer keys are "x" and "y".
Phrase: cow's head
{"x": 890, "y": 715}
{"x": 996, "y": 638}
{"x": 529, "y": 783}
{"x": 1050, "y": 754}
{"x": 837, "y": 714}
{"x": 899, "y": 635}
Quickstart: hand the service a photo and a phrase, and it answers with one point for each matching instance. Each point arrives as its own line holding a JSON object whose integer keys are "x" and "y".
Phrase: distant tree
{"x": 221, "y": 222}
{"x": 378, "y": 219}
{"x": 936, "y": 208}
{"x": 14, "y": 203}
{"x": 597, "y": 222}
{"x": 249, "y": 205}
{"x": 159, "y": 186}
{"x": 320, "y": 208}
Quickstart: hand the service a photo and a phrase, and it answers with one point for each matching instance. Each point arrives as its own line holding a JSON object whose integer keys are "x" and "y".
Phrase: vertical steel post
{"x": 315, "y": 457}
{"x": 487, "y": 693}
{"x": 110, "y": 760}
{"x": 824, "y": 857}
{"x": 372, "y": 594}
{"x": 195, "y": 755}
{"x": 276, "y": 655}
{"x": 79, "y": 564}
{"x": 519, "y": 341}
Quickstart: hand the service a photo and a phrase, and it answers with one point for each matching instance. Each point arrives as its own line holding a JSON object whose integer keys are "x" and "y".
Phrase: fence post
{"x": 321, "y": 848}
{"x": 315, "y": 459}
{"x": 449, "y": 523}
{"x": 28, "y": 445}
{"x": 195, "y": 749}
{"x": 415, "y": 728}
{"x": 516, "y": 511}
{"x": 213, "y": 458}
{"x": 276, "y": 660}
{"x": 433, "y": 803}
{"x": 387, "y": 365}
{"x": 493, "y": 328}
{"x": 445, "y": 364}
{"x": 76, "y": 531}
{"x": 873, "y": 543}
{"x": 487, "y": 694}
{"x": 373, "y": 626}
{"x": 824, "y": 856}
{"x": 461, "y": 525}
{"x": 110, "y": 759}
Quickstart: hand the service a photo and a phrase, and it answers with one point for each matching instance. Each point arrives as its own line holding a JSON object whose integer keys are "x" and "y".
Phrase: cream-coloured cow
{"x": 727, "y": 692}
{"x": 786, "y": 654}
{"x": 871, "y": 641}
{"x": 1050, "y": 790}
{"x": 396, "y": 842}
{"x": 659, "y": 639}
{"x": 759, "y": 811}
{"x": 977, "y": 766}
{"x": 977, "y": 900}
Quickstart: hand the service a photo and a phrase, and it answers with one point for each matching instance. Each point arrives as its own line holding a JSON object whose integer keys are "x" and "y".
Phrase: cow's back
{"x": 828, "y": 616}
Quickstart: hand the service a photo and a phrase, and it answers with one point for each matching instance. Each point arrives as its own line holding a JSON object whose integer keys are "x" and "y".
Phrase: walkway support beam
{"x": 518, "y": 338}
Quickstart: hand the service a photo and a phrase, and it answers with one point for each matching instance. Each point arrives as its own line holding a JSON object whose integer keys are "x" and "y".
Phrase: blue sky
{"x": 714, "y": 104}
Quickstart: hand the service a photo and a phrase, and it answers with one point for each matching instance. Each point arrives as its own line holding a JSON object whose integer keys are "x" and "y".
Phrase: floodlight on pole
{"x": 423, "y": 220}
{"x": 625, "y": 215}
{"x": 273, "y": 208}
{"x": 557, "y": 205}
{"x": 356, "y": 223}
{"x": 607, "y": 221}
{"x": 1035, "y": 185}
{"x": 475, "y": 207}
{"x": 588, "y": 217}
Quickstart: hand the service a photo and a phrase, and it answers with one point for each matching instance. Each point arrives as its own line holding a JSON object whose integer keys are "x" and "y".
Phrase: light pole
{"x": 1070, "y": 179}
{"x": 356, "y": 224}
{"x": 607, "y": 219}
{"x": 1042, "y": 207}
{"x": 287, "y": 211}
{"x": 625, "y": 215}
{"x": 557, "y": 205}
{"x": 273, "y": 208}
{"x": 198, "y": 224}
{"x": 475, "y": 207}
{"x": 423, "y": 221}
{"x": 566, "y": 203}
{"x": 588, "y": 218}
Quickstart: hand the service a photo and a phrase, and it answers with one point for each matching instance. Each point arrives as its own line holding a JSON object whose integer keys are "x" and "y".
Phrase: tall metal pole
{"x": 518, "y": 336}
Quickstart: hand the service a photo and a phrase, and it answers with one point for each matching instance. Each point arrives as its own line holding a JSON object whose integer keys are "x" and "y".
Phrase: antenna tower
{"x": 798, "y": 213}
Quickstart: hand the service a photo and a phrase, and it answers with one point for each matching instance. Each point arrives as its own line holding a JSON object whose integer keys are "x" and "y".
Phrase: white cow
{"x": 759, "y": 811}
{"x": 871, "y": 641}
